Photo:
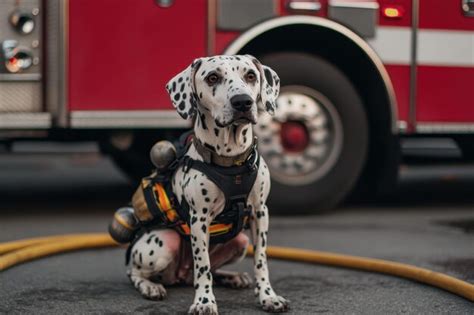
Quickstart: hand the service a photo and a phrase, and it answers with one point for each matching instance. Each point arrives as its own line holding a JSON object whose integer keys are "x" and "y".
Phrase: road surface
{"x": 429, "y": 222}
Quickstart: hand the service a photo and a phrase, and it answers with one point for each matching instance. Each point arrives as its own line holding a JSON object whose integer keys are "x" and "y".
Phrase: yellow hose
{"x": 26, "y": 250}
{"x": 14, "y": 245}
{"x": 62, "y": 244}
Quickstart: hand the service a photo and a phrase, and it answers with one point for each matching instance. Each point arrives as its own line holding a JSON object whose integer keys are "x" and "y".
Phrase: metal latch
{"x": 468, "y": 7}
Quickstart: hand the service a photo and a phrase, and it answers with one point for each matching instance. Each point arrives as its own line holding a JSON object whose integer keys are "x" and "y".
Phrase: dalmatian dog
{"x": 224, "y": 95}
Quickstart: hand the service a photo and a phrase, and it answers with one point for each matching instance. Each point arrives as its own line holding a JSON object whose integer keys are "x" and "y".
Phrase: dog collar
{"x": 211, "y": 157}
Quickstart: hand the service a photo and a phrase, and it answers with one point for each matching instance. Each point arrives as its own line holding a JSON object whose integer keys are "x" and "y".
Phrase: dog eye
{"x": 212, "y": 79}
{"x": 250, "y": 76}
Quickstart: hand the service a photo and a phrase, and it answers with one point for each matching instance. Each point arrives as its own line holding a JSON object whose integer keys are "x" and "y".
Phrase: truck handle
{"x": 309, "y": 6}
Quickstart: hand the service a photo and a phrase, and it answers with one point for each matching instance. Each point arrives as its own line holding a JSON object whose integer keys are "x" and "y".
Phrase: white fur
{"x": 216, "y": 125}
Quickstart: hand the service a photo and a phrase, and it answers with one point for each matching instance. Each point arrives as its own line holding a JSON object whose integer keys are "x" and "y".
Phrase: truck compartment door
{"x": 122, "y": 53}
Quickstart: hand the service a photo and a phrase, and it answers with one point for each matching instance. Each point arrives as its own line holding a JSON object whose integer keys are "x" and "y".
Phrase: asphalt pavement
{"x": 428, "y": 222}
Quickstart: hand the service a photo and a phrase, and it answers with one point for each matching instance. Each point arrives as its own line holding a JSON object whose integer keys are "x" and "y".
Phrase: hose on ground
{"x": 21, "y": 251}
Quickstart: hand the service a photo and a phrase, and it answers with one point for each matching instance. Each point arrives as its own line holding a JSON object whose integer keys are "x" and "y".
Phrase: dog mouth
{"x": 243, "y": 121}
{"x": 243, "y": 118}
{"x": 238, "y": 119}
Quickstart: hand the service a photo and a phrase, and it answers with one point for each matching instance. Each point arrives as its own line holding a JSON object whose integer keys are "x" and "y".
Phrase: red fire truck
{"x": 355, "y": 75}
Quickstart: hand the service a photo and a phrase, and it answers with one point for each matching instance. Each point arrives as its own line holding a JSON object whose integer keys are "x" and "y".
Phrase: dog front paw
{"x": 275, "y": 304}
{"x": 152, "y": 291}
{"x": 209, "y": 308}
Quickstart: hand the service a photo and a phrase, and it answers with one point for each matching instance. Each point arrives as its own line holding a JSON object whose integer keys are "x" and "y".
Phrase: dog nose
{"x": 241, "y": 102}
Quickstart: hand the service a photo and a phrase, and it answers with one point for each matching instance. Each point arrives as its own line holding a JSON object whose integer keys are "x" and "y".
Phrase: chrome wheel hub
{"x": 302, "y": 142}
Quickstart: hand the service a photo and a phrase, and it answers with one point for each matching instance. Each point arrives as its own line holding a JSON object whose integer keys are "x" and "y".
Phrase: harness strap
{"x": 235, "y": 182}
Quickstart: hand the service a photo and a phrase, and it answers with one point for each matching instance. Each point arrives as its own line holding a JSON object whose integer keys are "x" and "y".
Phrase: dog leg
{"x": 204, "y": 300}
{"x": 152, "y": 255}
{"x": 231, "y": 252}
{"x": 267, "y": 298}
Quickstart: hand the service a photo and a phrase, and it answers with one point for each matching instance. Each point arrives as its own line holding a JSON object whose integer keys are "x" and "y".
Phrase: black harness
{"x": 236, "y": 183}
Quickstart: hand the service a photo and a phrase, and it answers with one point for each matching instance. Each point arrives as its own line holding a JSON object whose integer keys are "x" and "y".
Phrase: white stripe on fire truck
{"x": 446, "y": 47}
{"x": 392, "y": 44}
{"x": 435, "y": 47}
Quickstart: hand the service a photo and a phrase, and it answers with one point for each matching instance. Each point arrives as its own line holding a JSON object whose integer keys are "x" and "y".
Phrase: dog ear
{"x": 181, "y": 90}
{"x": 269, "y": 87}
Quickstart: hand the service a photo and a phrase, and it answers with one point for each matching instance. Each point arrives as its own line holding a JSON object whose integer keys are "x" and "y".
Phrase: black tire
{"x": 134, "y": 159}
{"x": 466, "y": 144}
{"x": 299, "y": 69}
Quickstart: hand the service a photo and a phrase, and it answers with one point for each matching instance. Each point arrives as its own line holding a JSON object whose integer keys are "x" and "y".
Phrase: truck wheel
{"x": 316, "y": 144}
{"x": 130, "y": 152}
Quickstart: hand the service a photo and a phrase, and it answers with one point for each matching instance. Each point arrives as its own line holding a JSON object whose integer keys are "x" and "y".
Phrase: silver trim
{"x": 261, "y": 28}
{"x": 304, "y": 6}
{"x": 56, "y": 41}
{"x": 402, "y": 126}
{"x": 444, "y": 127}
{"x": 25, "y": 121}
{"x": 352, "y": 4}
{"x": 62, "y": 117}
{"x": 413, "y": 64}
{"x": 128, "y": 119}
{"x": 20, "y": 77}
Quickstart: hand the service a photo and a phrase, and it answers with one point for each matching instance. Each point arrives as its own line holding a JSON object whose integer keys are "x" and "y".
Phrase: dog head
{"x": 232, "y": 89}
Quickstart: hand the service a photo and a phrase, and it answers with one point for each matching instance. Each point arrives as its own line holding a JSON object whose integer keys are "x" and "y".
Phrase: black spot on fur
{"x": 203, "y": 121}
{"x": 210, "y": 147}
{"x": 268, "y": 106}
{"x": 268, "y": 76}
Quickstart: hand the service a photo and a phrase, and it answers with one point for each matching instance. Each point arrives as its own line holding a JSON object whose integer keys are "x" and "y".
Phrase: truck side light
{"x": 393, "y": 12}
